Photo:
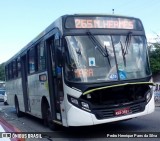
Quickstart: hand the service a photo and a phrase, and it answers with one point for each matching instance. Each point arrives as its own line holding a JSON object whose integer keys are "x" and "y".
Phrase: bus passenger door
{"x": 25, "y": 82}
{"x": 55, "y": 81}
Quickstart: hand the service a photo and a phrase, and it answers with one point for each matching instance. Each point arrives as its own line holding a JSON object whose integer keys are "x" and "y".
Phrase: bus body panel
{"x": 37, "y": 89}
{"x": 14, "y": 89}
{"x": 151, "y": 105}
{"x": 78, "y": 117}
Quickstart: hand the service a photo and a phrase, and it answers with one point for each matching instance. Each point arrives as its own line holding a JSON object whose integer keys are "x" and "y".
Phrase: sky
{"x": 23, "y": 20}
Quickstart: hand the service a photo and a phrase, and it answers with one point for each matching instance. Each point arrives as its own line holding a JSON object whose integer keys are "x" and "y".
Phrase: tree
{"x": 154, "y": 53}
{"x": 2, "y": 72}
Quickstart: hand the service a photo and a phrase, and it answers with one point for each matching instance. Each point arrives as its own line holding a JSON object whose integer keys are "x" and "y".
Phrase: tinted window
{"x": 41, "y": 57}
{"x": 32, "y": 64}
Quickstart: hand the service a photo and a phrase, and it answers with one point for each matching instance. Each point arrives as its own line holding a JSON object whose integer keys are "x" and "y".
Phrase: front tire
{"x": 47, "y": 118}
{"x": 53, "y": 126}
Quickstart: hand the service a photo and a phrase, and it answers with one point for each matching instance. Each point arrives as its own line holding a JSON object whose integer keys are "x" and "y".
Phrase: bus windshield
{"x": 97, "y": 58}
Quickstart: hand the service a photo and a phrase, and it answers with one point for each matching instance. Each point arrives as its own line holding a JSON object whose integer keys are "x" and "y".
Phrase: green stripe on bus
{"x": 89, "y": 91}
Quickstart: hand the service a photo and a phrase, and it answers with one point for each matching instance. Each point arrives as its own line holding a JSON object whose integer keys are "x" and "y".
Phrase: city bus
{"x": 83, "y": 70}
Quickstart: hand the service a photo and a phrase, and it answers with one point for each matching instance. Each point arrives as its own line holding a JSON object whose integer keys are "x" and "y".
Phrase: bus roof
{"x": 102, "y": 14}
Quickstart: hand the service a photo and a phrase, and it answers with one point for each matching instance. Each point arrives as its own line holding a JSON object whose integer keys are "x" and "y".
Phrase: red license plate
{"x": 123, "y": 111}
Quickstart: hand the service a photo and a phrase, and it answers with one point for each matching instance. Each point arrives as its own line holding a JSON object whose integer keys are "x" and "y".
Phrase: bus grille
{"x": 108, "y": 112}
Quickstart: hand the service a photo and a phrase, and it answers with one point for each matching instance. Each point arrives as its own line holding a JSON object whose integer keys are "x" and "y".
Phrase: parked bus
{"x": 83, "y": 70}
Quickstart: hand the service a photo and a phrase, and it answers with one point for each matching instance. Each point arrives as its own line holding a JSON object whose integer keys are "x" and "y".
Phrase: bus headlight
{"x": 79, "y": 103}
{"x": 148, "y": 96}
{"x": 85, "y": 105}
{"x": 74, "y": 101}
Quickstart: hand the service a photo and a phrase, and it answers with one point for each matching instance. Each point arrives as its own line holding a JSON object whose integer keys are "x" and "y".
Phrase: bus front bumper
{"x": 79, "y": 117}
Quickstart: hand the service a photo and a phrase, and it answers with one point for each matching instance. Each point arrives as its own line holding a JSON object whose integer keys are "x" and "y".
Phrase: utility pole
{"x": 112, "y": 11}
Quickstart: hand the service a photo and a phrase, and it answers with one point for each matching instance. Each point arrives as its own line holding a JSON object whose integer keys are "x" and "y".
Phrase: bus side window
{"x": 18, "y": 67}
{"x": 10, "y": 71}
{"x": 31, "y": 61}
{"x": 41, "y": 57}
{"x": 14, "y": 68}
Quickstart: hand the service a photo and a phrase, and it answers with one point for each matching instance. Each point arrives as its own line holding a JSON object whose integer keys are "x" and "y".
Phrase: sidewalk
{"x": 6, "y": 127}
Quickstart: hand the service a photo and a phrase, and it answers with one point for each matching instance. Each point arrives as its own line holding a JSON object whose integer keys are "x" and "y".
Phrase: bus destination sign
{"x": 102, "y": 22}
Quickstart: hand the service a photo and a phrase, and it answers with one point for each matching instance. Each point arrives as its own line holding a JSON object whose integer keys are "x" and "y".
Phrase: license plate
{"x": 123, "y": 111}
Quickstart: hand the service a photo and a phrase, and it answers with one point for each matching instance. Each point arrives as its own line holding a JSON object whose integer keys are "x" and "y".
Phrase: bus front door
{"x": 54, "y": 81}
{"x": 25, "y": 82}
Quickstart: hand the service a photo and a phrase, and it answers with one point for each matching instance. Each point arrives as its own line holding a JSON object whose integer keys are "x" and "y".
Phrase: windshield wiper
{"x": 123, "y": 54}
{"x": 127, "y": 42}
{"x": 101, "y": 49}
{"x": 125, "y": 49}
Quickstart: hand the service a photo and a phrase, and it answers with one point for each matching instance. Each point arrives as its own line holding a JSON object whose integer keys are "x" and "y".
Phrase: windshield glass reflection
{"x": 95, "y": 58}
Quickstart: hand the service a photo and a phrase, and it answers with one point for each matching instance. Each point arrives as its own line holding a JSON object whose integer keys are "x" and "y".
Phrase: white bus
{"x": 83, "y": 70}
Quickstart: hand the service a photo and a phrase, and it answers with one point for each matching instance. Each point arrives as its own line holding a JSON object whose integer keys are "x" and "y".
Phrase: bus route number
{"x": 115, "y": 24}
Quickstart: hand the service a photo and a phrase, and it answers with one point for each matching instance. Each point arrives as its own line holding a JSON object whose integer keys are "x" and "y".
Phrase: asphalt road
{"x": 147, "y": 124}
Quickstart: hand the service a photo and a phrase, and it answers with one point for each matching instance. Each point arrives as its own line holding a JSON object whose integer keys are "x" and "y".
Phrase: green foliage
{"x": 2, "y": 72}
{"x": 154, "y": 53}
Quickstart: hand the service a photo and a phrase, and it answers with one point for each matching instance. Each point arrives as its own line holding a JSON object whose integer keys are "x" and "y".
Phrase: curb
{"x": 8, "y": 128}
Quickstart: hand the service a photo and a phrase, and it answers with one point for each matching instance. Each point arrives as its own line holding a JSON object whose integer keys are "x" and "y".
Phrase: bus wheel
{"x": 47, "y": 119}
{"x": 18, "y": 112}
{"x": 44, "y": 114}
{"x": 53, "y": 126}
